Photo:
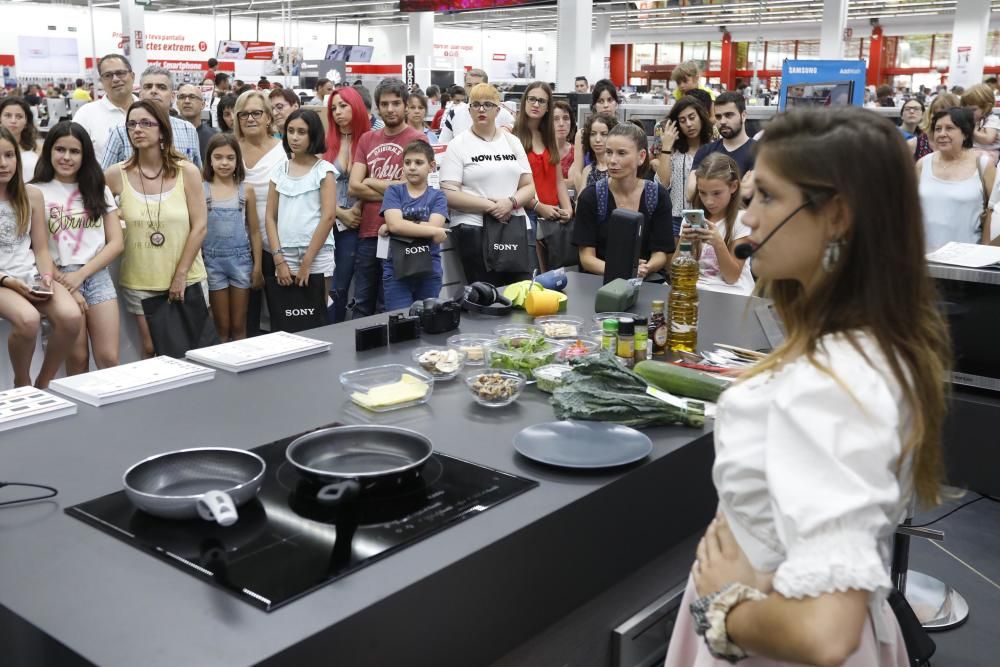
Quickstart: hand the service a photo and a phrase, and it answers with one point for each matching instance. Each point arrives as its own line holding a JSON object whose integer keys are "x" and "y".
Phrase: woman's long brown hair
{"x": 881, "y": 284}
{"x": 546, "y": 125}
{"x": 171, "y": 158}
{"x": 17, "y": 193}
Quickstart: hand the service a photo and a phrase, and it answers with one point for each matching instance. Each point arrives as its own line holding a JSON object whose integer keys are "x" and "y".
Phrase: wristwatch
{"x": 513, "y": 201}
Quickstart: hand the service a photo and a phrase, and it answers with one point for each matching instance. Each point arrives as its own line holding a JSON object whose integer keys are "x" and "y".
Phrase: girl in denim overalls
{"x": 228, "y": 248}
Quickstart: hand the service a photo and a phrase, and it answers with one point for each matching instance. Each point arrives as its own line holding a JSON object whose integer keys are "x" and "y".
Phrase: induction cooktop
{"x": 286, "y": 545}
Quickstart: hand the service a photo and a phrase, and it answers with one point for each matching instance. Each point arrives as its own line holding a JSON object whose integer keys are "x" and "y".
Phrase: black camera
{"x": 437, "y": 316}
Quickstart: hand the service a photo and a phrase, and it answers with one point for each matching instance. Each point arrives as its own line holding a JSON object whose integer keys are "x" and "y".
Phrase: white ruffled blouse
{"x": 806, "y": 469}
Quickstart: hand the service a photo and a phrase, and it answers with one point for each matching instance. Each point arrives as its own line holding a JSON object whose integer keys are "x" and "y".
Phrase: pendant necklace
{"x": 156, "y": 238}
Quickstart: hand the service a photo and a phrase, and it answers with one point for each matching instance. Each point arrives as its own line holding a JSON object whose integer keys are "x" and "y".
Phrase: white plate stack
{"x": 27, "y": 405}
{"x": 139, "y": 378}
{"x": 250, "y": 353}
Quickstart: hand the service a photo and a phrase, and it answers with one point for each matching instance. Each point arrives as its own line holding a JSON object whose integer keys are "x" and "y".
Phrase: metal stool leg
{"x": 936, "y": 604}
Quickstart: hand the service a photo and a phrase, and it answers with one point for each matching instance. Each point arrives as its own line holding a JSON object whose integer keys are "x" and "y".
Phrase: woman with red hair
{"x": 347, "y": 120}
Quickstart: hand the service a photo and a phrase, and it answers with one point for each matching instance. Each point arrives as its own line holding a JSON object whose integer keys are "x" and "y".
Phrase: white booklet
{"x": 27, "y": 405}
{"x": 971, "y": 255}
{"x": 250, "y": 353}
{"x": 139, "y": 378}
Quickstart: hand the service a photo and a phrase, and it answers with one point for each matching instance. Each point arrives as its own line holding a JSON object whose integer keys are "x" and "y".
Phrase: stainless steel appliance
{"x": 971, "y": 300}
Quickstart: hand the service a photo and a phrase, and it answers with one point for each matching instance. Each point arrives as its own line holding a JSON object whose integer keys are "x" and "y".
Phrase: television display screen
{"x": 349, "y": 53}
{"x": 459, "y": 5}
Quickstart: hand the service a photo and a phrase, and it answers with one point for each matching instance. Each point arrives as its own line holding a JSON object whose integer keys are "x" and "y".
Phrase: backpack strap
{"x": 208, "y": 194}
{"x": 601, "y": 187}
{"x": 241, "y": 193}
{"x": 651, "y": 193}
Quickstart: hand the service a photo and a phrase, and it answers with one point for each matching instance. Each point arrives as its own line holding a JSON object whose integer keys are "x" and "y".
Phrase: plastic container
{"x": 472, "y": 346}
{"x": 600, "y": 317}
{"x": 480, "y": 387}
{"x": 560, "y": 326}
{"x": 443, "y": 367}
{"x": 507, "y": 353}
{"x": 369, "y": 387}
{"x": 578, "y": 349}
{"x": 549, "y": 376}
{"x": 510, "y": 330}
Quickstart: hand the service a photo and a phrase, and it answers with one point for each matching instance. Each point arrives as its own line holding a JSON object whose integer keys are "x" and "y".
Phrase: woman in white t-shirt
{"x": 986, "y": 138}
{"x": 717, "y": 195}
{"x": 16, "y": 116}
{"x": 27, "y": 287}
{"x": 85, "y": 236}
{"x": 484, "y": 171}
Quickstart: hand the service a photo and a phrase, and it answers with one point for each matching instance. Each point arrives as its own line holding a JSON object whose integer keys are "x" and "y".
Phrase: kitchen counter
{"x": 466, "y": 596}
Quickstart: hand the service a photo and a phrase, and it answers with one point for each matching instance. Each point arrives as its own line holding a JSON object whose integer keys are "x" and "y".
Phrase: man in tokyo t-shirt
{"x": 378, "y": 163}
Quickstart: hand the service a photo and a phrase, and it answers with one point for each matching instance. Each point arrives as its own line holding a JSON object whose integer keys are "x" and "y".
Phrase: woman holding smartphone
{"x": 27, "y": 287}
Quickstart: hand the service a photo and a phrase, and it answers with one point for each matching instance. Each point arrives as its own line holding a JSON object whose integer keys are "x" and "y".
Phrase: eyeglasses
{"x": 911, "y": 108}
{"x": 537, "y": 101}
{"x": 120, "y": 73}
{"x": 482, "y": 106}
{"x": 188, "y": 97}
{"x": 256, "y": 114}
{"x": 145, "y": 124}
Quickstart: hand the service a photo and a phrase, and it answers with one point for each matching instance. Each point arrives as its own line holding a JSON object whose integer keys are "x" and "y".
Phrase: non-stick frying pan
{"x": 210, "y": 482}
{"x": 349, "y": 456}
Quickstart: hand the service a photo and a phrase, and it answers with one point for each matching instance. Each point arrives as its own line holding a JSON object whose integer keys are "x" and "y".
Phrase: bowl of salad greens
{"x": 521, "y": 352}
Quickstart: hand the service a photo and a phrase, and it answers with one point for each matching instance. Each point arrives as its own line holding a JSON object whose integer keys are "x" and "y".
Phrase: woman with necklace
{"x": 485, "y": 171}
{"x": 347, "y": 120}
{"x": 954, "y": 183}
{"x": 627, "y": 158}
{"x": 163, "y": 206}
{"x": 253, "y": 120}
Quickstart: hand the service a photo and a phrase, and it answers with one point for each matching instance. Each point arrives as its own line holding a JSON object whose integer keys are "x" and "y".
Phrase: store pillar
{"x": 420, "y": 45}
{"x": 133, "y": 39}
{"x": 875, "y": 58}
{"x": 968, "y": 42}
{"x": 600, "y": 63}
{"x": 573, "y": 44}
{"x": 831, "y": 34}
{"x": 728, "y": 68}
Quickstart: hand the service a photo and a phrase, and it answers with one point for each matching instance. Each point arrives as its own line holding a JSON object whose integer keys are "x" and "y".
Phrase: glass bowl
{"x": 512, "y": 353}
{"x": 486, "y": 389}
{"x": 578, "y": 349}
{"x": 550, "y": 376}
{"x": 560, "y": 326}
{"x": 387, "y": 387}
{"x": 510, "y": 330}
{"x": 472, "y": 346}
{"x": 442, "y": 363}
{"x": 600, "y": 317}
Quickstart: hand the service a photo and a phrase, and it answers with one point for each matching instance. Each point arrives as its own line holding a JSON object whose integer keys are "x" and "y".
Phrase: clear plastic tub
{"x": 512, "y": 353}
{"x": 511, "y": 330}
{"x": 578, "y": 349}
{"x": 549, "y": 376}
{"x": 387, "y": 387}
{"x": 438, "y": 361}
{"x": 472, "y": 346}
{"x": 560, "y": 326}
{"x": 484, "y": 389}
{"x": 600, "y": 317}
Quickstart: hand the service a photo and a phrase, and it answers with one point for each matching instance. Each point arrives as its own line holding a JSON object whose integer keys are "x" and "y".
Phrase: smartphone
{"x": 41, "y": 290}
{"x": 695, "y": 217}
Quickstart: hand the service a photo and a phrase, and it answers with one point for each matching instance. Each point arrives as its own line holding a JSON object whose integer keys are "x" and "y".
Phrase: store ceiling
{"x": 625, "y": 14}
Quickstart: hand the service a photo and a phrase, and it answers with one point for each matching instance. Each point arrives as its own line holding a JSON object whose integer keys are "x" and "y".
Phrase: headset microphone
{"x": 745, "y": 250}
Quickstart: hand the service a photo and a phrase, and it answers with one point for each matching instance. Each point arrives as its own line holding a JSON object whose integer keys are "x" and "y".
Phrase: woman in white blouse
{"x": 820, "y": 447}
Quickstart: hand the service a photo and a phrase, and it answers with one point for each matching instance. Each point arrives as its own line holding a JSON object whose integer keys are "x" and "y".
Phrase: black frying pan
{"x": 349, "y": 457}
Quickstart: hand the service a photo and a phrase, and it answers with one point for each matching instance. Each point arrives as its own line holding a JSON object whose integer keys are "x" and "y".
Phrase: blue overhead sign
{"x": 822, "y": 83}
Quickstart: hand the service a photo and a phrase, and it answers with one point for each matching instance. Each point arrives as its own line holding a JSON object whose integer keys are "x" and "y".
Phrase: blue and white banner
{"x": 822, "y": 83}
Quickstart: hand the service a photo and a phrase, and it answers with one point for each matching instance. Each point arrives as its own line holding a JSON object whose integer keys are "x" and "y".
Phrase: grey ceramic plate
{"x": 582, "y": 444}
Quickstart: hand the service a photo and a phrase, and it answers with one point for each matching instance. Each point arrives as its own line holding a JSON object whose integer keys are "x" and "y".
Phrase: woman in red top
{"x": 535, "y": 129}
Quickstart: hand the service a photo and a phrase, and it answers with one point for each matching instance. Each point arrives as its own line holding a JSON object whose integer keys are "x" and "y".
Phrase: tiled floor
{"x": 969, "y": 560}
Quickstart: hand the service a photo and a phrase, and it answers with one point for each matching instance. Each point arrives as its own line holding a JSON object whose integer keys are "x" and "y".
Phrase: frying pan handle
{"x": 217, "y": 506}
{"x": 339, "y": 492}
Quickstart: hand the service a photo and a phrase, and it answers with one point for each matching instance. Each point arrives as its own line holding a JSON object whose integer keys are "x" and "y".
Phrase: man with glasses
{"x": 190, "y": 104}
{"x": 156, "y": 85}
{"x": 459, "y": 118}
{"x": 98, "y": 117}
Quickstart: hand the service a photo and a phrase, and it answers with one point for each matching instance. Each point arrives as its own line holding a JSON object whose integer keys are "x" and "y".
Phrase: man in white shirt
{"x": 156, "y": 85}
{"x": 458, "y": 119}
{"x": 100, "y": 116}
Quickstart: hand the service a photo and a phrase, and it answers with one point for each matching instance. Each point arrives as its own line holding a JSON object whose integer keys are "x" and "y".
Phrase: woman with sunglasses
{"x": 163, "y": 206}
{"x": 254, "y": 121}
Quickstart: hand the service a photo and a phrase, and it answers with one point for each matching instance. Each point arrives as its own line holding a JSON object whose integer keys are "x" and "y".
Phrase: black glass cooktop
{"x": 285, "y": 545}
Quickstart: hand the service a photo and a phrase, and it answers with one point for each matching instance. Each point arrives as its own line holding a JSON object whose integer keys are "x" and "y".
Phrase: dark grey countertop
{"x": 465, "y": 596}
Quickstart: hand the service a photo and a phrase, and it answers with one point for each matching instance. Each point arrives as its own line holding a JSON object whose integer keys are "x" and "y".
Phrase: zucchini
{"x": 680, "y": 381}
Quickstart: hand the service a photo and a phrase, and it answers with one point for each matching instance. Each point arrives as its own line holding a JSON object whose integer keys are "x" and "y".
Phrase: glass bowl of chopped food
{"x": 550, "y": 376}
{"x": 560, "y": 326}
{"x": 495, "y": 389}
{"x": 387, "y": 387}
{"x": 578, "y": 349}
{"x": 472, "y": 346}
{"x": 443, "y": 363}
{"x": 521, "y": 353}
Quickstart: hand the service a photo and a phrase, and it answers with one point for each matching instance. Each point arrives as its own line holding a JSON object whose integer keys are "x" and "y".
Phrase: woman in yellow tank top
{"x": 163, "y": 208}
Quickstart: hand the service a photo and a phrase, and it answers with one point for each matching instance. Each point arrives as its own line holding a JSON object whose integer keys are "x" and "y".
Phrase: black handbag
{"x": 179, "y": 326}
{"x": 557, "y": 238}
{"x": 505, "y": 244}
{"x": 295, "y": 308}
{"x": 919, "y": 646}
{"x": 411, "y": 258}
